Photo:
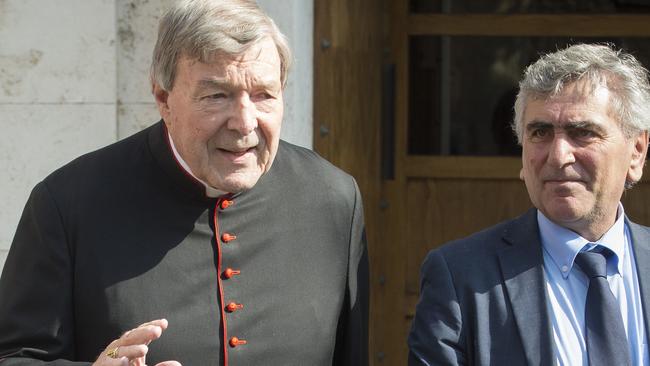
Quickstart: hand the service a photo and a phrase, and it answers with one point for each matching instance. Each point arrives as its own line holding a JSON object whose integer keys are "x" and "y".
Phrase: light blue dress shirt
{"x": 566, "y": 287}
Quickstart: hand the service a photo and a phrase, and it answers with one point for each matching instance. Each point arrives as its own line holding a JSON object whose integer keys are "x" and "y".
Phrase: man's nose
{"x": 561, "y": 151}
{"x": 244, "y": 118}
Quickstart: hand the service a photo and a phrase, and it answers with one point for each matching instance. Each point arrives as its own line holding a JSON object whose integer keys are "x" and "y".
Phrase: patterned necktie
{"x": 604, "y": 332}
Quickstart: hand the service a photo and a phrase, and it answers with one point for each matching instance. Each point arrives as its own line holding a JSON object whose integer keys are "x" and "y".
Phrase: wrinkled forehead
{"x": 578, "y": 104}
{"x": 262, "y": 51}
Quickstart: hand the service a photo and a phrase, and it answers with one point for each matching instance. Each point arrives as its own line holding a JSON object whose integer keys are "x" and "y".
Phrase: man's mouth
{"x": 237, "y": 151}
{"x": 560, "y": 180}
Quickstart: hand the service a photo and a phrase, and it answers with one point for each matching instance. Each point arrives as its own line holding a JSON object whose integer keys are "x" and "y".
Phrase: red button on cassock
{"x": 226, "y": 203}
{"x": 233, "y": 306}
{"x": 229, "y": 272}
{"x": 226, "y": 237}
{"x": 234, "y": 342}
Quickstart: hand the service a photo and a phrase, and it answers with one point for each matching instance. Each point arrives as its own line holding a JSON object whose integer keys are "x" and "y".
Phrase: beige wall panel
{"x": 3, "y": 258}
{"x": 135, "y": 117}
{"x": 57, "y": 51}
{"x": 137, "y": 25}
{"x": 36, "y": 140}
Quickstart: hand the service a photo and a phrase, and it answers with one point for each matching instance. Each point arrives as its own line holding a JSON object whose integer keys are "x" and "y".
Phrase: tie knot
{"x": 593, "y": 264}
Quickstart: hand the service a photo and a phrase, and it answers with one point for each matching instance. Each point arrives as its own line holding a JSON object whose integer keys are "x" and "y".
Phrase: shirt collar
{"x": 209, "y": 190}
{"x": 563, "y": 245}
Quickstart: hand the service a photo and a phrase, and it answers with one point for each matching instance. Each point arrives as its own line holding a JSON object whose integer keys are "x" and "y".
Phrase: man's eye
{"x": 217, "y": 96}
{"x": 539, "y": 133}
{"x": 583, "y": 133}
{"x": 263, "y": 96}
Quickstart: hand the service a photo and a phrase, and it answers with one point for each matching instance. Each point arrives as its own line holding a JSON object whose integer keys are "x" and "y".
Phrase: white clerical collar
{"x": 209, "y": 191}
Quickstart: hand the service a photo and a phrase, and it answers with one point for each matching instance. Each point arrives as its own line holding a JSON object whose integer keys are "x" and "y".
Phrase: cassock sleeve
{"x": 435, "y": 337}
{"x": 352, "y": 335}
{"x": 36, "y": 310}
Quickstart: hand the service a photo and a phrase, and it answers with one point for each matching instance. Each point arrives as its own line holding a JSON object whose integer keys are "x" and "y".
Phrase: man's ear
{"x": 161, "y": 96}
{"x": 639, "y": 151}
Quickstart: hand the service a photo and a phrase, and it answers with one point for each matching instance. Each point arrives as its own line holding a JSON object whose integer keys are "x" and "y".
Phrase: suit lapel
{"x": 523, "y": 274}
{"x": 641, "y": 245}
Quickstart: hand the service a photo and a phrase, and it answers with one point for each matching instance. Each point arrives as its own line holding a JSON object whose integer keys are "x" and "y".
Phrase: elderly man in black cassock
{"x": 202, "y": 240}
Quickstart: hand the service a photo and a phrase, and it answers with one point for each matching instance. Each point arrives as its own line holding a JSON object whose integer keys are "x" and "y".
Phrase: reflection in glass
{"x": 462, "y": 89}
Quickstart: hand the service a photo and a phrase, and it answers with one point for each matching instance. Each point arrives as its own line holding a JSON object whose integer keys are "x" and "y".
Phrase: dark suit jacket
{"x": 122, "y": 236}
{"x": 483, "y": 298}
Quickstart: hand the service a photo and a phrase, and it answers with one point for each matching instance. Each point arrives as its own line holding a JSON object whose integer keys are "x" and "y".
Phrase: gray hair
{"x": 200, "y": 29}
{"x": 598, "y": 65}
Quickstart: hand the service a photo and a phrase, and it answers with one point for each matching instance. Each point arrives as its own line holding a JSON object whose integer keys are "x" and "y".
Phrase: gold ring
{"x": 112, "y": 353}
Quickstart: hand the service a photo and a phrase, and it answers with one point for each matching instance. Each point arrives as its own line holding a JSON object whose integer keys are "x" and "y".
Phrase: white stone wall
{"x": 296, "y": 20}
{"x": 74, "y": 77}
{"x": 57, "y": 92}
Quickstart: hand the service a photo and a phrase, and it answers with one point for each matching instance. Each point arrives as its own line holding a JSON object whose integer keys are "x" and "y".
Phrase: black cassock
{"x": 123, "y": 235}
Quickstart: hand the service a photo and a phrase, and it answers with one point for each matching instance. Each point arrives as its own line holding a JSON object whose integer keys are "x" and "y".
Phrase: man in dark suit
{"x": 202, "y": 240}
{"x": 568, "y": 282}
